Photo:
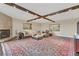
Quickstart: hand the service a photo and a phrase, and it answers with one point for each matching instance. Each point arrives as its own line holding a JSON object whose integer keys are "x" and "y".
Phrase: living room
{"x": 21, "y": 25}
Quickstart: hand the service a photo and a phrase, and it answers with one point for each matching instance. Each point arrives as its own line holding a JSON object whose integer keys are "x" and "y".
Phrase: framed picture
{"x": 54, "y": 27}
{"x": 27, "y": 26}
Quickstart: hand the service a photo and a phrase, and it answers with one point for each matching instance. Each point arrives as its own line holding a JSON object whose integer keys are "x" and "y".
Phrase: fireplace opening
{"x": 4, "y": 33}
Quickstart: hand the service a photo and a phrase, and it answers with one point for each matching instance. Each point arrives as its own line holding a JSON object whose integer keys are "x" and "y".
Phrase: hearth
{"x": 4, "y": 33}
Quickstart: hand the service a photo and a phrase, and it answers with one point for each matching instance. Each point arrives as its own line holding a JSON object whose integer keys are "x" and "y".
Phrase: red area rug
{"x": 51, "y": 46}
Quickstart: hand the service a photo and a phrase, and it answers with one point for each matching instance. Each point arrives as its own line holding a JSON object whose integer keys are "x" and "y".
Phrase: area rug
{"x": 50, "y": 46}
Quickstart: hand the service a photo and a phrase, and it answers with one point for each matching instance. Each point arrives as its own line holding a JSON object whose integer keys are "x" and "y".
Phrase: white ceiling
{"x": 45, "y": 8}
{"x": 41, "y": 9}
{"x": 15, "y": 13}
{"x": 70, "y": 15}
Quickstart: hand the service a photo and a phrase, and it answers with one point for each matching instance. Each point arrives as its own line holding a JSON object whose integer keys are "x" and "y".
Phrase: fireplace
{"x": 4, "y": 33}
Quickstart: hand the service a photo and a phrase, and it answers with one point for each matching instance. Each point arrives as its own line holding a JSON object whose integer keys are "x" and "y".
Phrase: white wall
{"x": 45, "y": 26}
{"x": 36, "y": 26}
{"x": 67, "y": 28}
{"x": 17, "y": 26}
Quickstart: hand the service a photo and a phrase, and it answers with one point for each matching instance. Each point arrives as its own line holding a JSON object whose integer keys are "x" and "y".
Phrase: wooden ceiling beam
{"x": 39, "y": 18}
{"x": 33, "y": 19}
{"x": 24, "y": 9}
{"x": 61, "y": 11}
{"x": 21, "y": 8}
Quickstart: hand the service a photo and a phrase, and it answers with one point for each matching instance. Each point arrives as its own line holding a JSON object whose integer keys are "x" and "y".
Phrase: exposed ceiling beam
{"x": 24, "y": 9}
{"x": 33, "y": 19}
{"x": 59, "y": 12}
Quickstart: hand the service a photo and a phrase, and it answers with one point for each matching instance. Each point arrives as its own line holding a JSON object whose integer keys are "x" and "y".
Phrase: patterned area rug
{"x": 51, "y": 46}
